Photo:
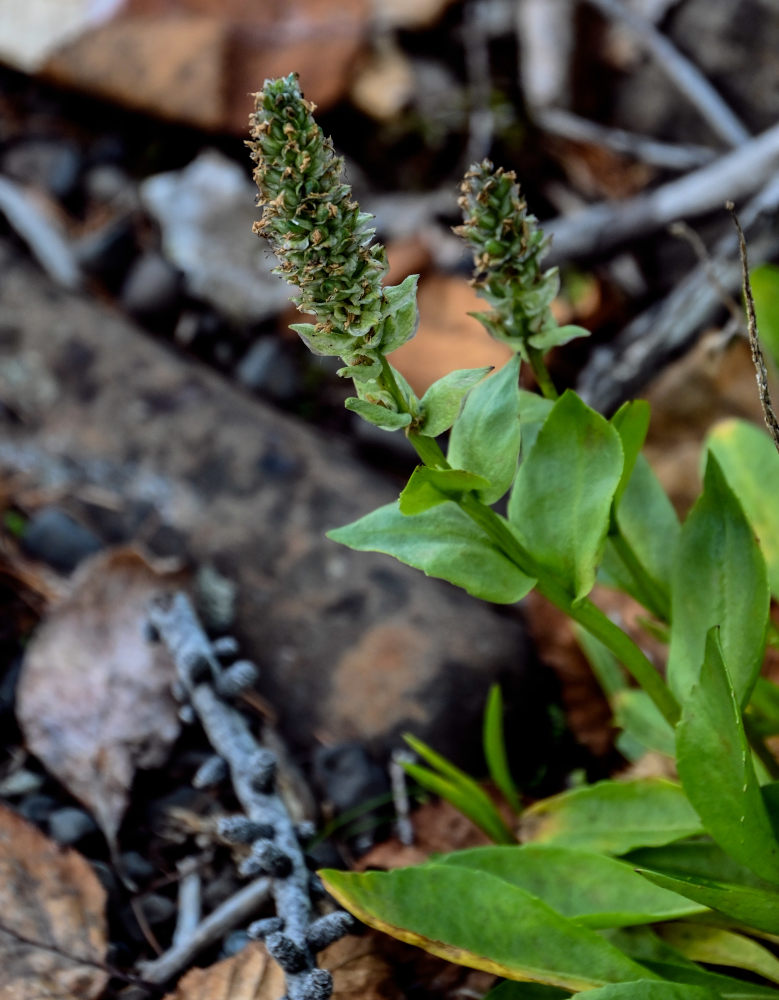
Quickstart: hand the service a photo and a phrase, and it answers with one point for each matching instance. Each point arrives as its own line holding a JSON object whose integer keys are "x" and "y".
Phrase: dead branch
{"x": 619, "y": 369}
{"x": 603, "y": 226}
{"x": 681, "y": 71}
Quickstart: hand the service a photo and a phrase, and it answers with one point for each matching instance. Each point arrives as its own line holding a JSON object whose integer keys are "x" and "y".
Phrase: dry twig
{"x": 603, "y": 226}
{"x": 678, "y": 68}
{"x": 754, "y": 341}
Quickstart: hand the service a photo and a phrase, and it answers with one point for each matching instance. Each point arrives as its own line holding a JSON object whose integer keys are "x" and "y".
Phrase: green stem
{"x": 541, "y": 372}
{"x": 587, "y": 614}
{"x": 649, "y": 592}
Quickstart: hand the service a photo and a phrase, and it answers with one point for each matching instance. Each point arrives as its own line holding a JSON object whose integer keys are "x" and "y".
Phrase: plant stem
{"x": 541, "y": 372}
{"x": 650, "y": 594}
{"x": 587, "y": 614}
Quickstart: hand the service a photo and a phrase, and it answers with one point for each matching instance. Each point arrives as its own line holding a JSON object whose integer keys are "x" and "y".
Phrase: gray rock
{"x": 55, "y": 538}
{"x": 69, "y": 825}
{"x": 156, "y": 908}
{"x": 267, "y": 368}
{"x": 152, "y": 286}
{"x": 352, "y": 646}
{"x": 137, "y": 867}
{"x": 51, "y": 164}
{"x": 37, "y": 808}
{"x": 205, "y": 214}
{"x": 346, "y": 776}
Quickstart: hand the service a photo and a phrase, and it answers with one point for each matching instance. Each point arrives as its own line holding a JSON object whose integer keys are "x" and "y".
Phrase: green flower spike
{"x": 325, "y": 247}
{"x": 507, "y": 249}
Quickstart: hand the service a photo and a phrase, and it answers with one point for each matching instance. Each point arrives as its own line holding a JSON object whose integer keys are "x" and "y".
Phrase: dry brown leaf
{"x": 384, "y": 85}
{"x": 52, "y": 923}
{"x": 362, "y": 968}
{"x": 250, "y": 975}
{"x": 94, "y": 699}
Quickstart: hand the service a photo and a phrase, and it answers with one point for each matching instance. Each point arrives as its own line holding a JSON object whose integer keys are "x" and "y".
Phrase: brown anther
{"x": 316, "y": 237}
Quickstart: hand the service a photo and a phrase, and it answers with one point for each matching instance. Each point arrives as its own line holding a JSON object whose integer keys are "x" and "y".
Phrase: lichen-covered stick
{"x": 292, "y": 937}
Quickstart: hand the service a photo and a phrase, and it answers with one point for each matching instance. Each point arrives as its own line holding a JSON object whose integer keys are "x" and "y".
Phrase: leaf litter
{"x": 94, "y": 698}
{"x": 52, "y": 929}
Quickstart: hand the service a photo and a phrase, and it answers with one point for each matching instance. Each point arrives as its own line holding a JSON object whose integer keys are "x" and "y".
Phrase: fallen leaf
{"x": 362, "y": 968}
{"x": 52, "y": 928}
{"x": 384, "y": 85}
{"x": 250, "y": 975}
{"x": 94, "y": 699}
{"x": 438, "y": 828}
{"x": 412, "y": 14}
{"x": 198, "y": 61}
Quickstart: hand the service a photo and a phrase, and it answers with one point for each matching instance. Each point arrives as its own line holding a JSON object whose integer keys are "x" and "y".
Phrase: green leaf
{"x": 748, "y": 905}
{"x": 613, "y": 816}
{"x": 485, "y": 437}
{"x": 595, "y": 890}
{"x": 562, "y": 495}
{"x": 750, "y": 463}
{"x": 648, "y": 523}
{"x": 429, "y": 487}
{"x": 443, "y": 399}
{"x": 482, "y": 922}
{"x": 719, "y": 579}
{"x": 721, "y": 947}
{"x": 715, "y": 767}
{"x": 460, "y": 789}
{"x": 318, "y": 342}
{"x": 511, "y": 990}
{"x": 495, "y": 748}
{"x": 650, "y": 989}
{"x": 631, "y": 421}
{"x": 765, "y": 291}
{"x": 444, "y": 543}
{"x": 638, "y": 716}
{"x": 555, "y": 336}
{"x": 401, "y": 314}
{"x": 380, "y": 416}
{"x": 533, "y": 411}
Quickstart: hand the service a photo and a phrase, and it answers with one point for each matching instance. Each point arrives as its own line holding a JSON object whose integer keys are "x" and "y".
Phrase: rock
{"x": 151, "y": 288}
{"x": 53, "y": 165}
{"x": 107, "y": 252}
{"x": 346, "y": 776}
{"x": 108, "y": 184}
{"x": 55, "y": 538}
{"x": 267, "y": 368}
{"x": 234, "y": 942}
{"x": 136, "y": 867}
{"x": 205, "y": 215}
{"x": 156, "y": 908}
{"x": 351, "y": 646}
{"x": 37, "y": 808}
{"x": 70, "y": 825}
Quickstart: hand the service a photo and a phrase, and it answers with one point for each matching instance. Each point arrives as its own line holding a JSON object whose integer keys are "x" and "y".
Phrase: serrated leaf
{"x": 482, "y": 922}
{"x": 594, "y": 890}
{"x": 485, "y": 438}
{"x": 442, "y": 542}
{"x": 441, "y": 402}
{"x": 401, "y": 314}
{"x": 561, "y": 500}
{"x": 494, "y": 745}
{"x": 721, "y": 947}
{"x": 719, "y": 579}
{"x": 613, "y": 816}
{"x": 429, "y": 487}
{"x": 377, "y": 415}
{"x": 712, "y": 753}
{"x": 750, "y": 463}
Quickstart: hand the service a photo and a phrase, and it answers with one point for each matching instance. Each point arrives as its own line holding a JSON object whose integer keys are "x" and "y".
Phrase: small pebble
{"x": 37, "y": 808}
{"x": 137, "y": 867}
{"x": 151, "y": 288}
{"x": 234, "y": 942}
{"x": 55, "y": 538}
{"x": 156, "y": 908}
{"x": 69, "y": 825}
